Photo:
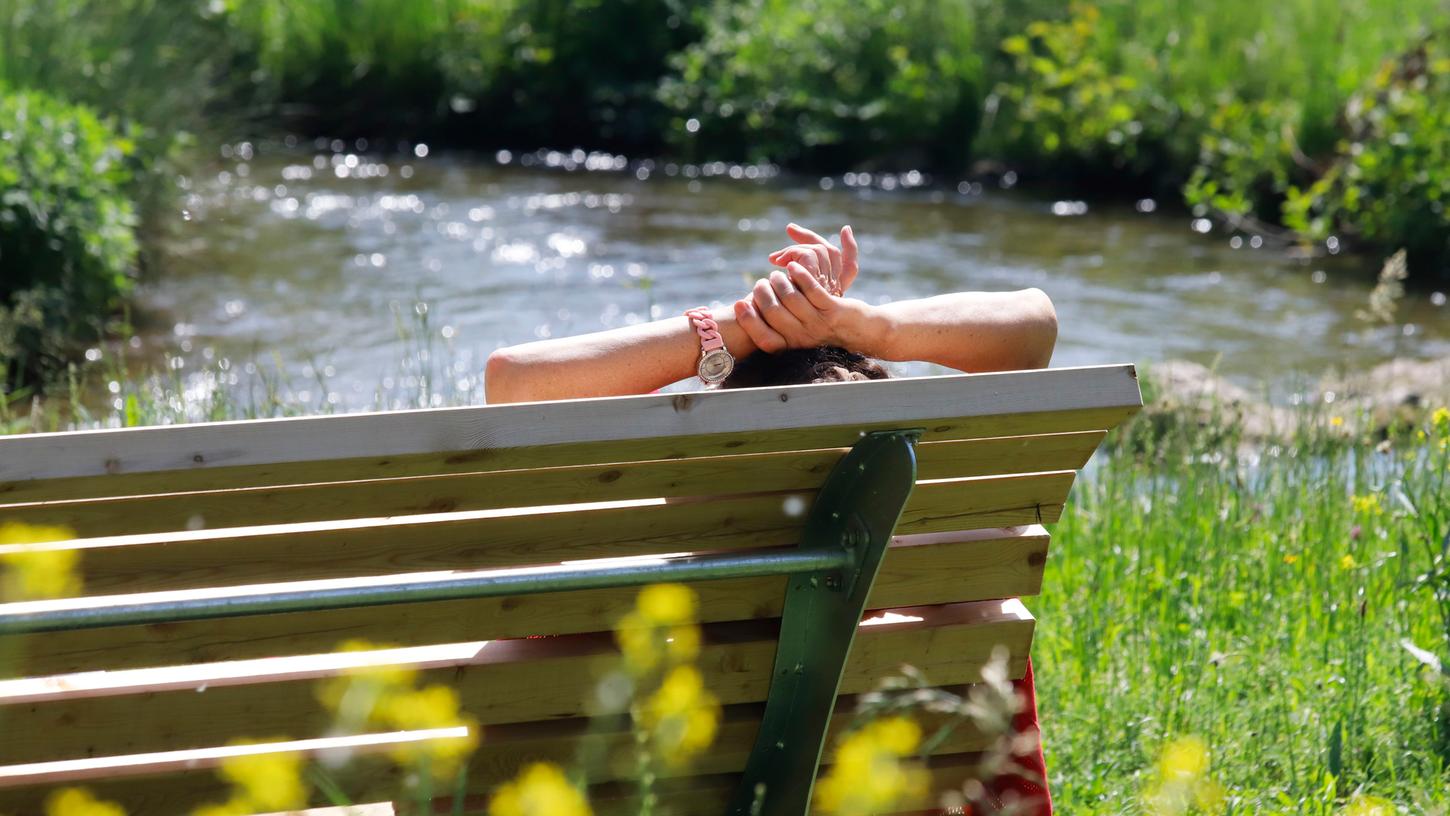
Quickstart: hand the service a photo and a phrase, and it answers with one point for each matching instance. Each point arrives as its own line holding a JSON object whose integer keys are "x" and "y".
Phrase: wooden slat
{"x": 501, "y": 752}
{"x": 43, "y": 467}
{"x": 917, "y": 570}
{"x": 498, "y": 682}
{"x": 183, "y": 784}
{"x": 494, "y": 539}
{"x": 718, "y": 475}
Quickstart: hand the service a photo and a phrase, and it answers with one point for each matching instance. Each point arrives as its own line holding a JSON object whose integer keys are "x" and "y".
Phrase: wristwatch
{"x": 716, "y": 363}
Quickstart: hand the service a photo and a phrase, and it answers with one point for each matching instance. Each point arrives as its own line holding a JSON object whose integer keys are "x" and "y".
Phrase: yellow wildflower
{"x": 539, "y": 790}
{"x": 435, "y": 706}
{"x": 1347, "y": 561}
{"x": 667, "y": 604}
{"x": 1184, "y": 759}
{"x": 79, "y": 802}
{"x": 1362, "y": 805}
{"x": 1181, "y": 781}
{"x": 660, "y": 632}
{"x": 1440, "y": 421}
{"x": 33, "y": 573}
{"x": 1368, "y": 505}
{"x": 1291, "y": 559}
{"x": 385, "y": 696}
{"x": 267, "y": 782}
{"x": 867, "y": 774}
{"x": 1336, "y": 422}
{"x": 681, "y": 717}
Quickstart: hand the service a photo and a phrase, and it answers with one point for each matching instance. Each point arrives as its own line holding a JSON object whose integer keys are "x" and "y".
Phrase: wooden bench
{"x": 224, "y": 562}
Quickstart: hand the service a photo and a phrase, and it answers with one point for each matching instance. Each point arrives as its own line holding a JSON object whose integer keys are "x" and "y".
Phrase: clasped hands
{"x": 802, "y": 304}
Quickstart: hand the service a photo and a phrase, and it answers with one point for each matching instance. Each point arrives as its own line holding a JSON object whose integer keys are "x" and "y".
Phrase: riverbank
{"x": 1310, "y": 126}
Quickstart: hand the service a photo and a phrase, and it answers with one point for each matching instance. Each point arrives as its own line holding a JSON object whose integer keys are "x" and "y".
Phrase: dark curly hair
{"x": 802, "y": 366}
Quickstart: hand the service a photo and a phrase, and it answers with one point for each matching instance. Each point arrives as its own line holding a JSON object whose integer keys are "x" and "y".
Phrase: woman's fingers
{"x": 794, "y": 300}
{"x": 833, "y": 254}
{"x": 773, "y": 312}
{"x": 850, "y": 257}
{"x": 811, "y": 287}
{"x": 760, "y": 333}
{"x": 830, "y": 266}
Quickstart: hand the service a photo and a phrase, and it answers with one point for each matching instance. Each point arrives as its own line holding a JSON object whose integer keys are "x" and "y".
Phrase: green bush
{"x": 828, "y": 82}
{"x": 1075, "y": 108}
{"x": 67, "y": 231}
{"x": 1388, "y": 183}
{"x": 372, "y": 66}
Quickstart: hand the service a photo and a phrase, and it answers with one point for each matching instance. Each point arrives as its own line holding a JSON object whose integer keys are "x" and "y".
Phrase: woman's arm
{"x": 967, "y": 331}
{"x": 630, "y": 360}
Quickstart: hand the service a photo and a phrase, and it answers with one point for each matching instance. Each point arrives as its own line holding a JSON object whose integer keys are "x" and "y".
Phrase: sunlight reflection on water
{"x": 319, "y": 259}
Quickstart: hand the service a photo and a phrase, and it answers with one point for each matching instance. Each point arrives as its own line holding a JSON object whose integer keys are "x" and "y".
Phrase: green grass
{"x": 1256, "y": 599}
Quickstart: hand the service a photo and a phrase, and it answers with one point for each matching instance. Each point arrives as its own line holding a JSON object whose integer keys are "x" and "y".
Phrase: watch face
{"x": 716, "y": 366}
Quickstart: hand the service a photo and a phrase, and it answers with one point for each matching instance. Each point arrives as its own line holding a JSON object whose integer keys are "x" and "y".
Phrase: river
{"x": 359, "y": 274}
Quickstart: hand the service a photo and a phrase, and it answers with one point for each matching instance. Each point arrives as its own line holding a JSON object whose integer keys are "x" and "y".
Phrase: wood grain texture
{"x": 917, "y": 570}
{"x": 498, "y": 682}
{"x": 498, "y": 539}
{"x": 42, "y": 467}
{"x": 176, "y": 788}
{"x": 716, "y": 475}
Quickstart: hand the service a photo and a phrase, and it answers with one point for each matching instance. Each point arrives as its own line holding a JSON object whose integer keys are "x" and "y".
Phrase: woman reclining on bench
{"x": 809, "y": 330}
{"x": 797, "y": 326}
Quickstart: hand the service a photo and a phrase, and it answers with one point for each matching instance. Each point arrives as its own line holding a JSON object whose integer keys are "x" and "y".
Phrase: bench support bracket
{"x": 855, "y": 511}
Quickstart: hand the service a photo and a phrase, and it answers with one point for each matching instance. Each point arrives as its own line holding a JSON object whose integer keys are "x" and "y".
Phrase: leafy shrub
{"x": 67, "y": 237}
{"x": 158, "y": 67}
{"x": 1246, "y": 161}
{"x": 1388, "y": 183}
{"x": 1071, "y": 106}
{"x": 828, "y": 82}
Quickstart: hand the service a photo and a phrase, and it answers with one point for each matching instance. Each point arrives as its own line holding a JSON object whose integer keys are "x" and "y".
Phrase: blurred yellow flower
{"x": 868, "y": 775}
{"x": 1336, "y": 422}
{"x": 33, "y": 574}
{"x": 1347, "y": 561}
{"x": 539, "y": 790}
{"x": 1440, "y": 421}
{"x": 79, "y": 802}
{"x": 681, "y": 717}
{"x": 667, "y": 604}
{"x": 1181, "y": 781}
{"x": 660, "y": 632}
{"x": 1362, "y": 805}
{"x": 385, "y": 696}
{"x": 1368, "y": 504}
{"x": 266, "y": 782}
{"x": 1291, "y": 558}
{"x": 435, "y": 706}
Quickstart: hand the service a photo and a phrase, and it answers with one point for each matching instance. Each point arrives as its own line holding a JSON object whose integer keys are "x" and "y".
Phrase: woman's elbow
{"x": 500, "y": 377}
{"x": 1041, "y": 324}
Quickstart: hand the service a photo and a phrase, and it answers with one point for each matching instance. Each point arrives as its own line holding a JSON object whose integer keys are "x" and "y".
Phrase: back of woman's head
{"x": 803, "y": 366}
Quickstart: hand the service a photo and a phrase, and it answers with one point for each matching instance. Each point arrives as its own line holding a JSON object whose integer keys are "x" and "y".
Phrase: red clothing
{"x": 1030, "y": 787}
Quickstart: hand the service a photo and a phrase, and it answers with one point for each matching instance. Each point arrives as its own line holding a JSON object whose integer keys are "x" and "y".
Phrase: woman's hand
{"x": 836, "y": 268}
{"x": 792, "y": 309}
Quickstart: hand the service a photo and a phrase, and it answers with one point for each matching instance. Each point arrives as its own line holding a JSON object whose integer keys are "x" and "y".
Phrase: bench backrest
{"x": 211, "y": 512}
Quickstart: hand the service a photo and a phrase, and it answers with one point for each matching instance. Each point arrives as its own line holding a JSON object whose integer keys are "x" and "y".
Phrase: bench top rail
{"x": 569, "y": 432}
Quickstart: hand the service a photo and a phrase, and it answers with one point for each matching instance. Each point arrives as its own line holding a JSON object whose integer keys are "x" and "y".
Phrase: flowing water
{"x": 337, "y": 266}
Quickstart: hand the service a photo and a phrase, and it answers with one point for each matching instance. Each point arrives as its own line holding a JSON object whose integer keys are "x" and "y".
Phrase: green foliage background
{"x": 67, "y": 229}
